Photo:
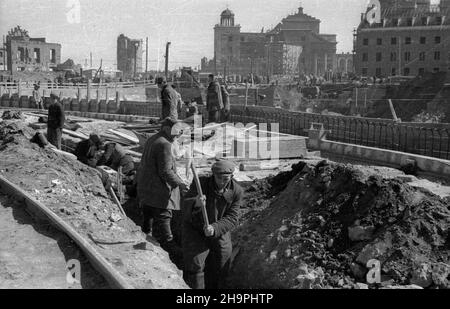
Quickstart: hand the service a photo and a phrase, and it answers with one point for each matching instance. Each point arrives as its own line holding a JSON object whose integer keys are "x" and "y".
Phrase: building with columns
{"x": 344, "y": 63}
{"x": 292, "y": 48}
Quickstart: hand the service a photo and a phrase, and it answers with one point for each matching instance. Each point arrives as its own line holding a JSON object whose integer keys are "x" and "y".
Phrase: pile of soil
{"x": 75, "y": 192}
{"x": 331, "y": 219}
{"x": 12, "y": 115}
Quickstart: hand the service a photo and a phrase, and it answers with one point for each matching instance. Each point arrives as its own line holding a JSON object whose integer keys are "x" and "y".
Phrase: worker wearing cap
{"x": 115, "y": 156}
{"x": 55, "y": 123}
{"x": 87, "y": 151}
{"x": 214, "y": 102}
{"x": 37, "y": 97}
{"x": 207, "y": 249}
{"x": 169, "y": 100}
{"x": 158, "y": 184}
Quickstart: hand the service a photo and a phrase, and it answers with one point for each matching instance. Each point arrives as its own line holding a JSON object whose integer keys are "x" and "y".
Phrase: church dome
{"x": 227, "y": 13}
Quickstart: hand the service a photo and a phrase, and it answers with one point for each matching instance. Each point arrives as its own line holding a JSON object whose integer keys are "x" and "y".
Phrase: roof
{"x": 300, "y": 16}
{"x": 227, "y": 12}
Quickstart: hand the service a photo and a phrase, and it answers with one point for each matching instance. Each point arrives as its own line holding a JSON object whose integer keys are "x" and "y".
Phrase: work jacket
{"x": 158, "y": 182}
{"x": 115, "y": 156}
{"x": 214, "y": 100}
{"x": 169, "y": 100}
{"x": 86, "y": 153}
{"x": 222, "y": 208}
{"x": 225, "y": 99}
{"x": 56, "y": 116}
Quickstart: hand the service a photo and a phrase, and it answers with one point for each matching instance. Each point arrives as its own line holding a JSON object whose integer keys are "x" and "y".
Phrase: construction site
{"x": 336, "y": 194}
{"x": 311, "y": 219}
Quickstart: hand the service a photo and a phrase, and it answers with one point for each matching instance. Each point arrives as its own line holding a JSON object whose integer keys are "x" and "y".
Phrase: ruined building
{"x": 24, "y": 53}
{"x": 129, "y": 56}
{"x": 3, "y": 61}
{"x": 408, "y": 37}
{"x": 295, "y": 46}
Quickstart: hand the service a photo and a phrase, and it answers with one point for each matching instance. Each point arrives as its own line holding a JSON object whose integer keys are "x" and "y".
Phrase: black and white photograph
{"x": 247, "y": 149}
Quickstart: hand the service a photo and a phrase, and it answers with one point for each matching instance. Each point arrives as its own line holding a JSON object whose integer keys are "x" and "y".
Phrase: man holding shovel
{"x": 208, "y": 220}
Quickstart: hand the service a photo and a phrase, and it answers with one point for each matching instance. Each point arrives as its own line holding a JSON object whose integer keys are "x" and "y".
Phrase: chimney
{"x": 300, "y": 10}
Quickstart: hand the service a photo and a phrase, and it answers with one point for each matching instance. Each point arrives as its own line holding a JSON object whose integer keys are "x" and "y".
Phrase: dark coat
{"x": 115, "y": 156}
{"x": 158, "y": 183}
{"x": 222, "y": 209}
{"x": 56, "y": 116}
{"x": 86, "y": 153}
{"x": 225, "y": 99}
{"x": 169, "y": 100}
{"x": 214, "y": 100}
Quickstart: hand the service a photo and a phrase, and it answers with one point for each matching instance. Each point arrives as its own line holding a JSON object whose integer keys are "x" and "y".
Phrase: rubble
{"x": 8, "y": 115}
{"x": 337, "y": 218}
{"x": 75, "y": 193}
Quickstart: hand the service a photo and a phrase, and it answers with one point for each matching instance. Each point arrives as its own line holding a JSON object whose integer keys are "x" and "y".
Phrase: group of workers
{"x": 206, "y": 244}
{"x": 217, "y": 101}
{"x": 205, "y": 247}
{"x": 93, "y": 151}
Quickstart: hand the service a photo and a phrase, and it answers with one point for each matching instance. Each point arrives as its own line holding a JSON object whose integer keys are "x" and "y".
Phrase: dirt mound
{"x": 12, "y": 115}
{"x": 321, "y": 231}
{"x": 75, "y": 192}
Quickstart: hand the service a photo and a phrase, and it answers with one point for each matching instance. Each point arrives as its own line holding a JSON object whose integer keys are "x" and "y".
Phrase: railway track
{"x": 35, "y": 255}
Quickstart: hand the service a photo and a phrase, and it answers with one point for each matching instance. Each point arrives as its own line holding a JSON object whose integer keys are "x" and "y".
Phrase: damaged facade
{"x": 295, "y": 46}
{"x": 3, "y": 62}
{"x": 24, "y": 53}
{"x": 409, "y": 39}
{"x": 129, "y": 56}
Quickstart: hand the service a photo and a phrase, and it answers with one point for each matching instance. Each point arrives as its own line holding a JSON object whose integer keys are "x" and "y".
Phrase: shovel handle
{"x": 200, "y": 193}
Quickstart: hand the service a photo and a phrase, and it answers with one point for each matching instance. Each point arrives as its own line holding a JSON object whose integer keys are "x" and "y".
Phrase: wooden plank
{"x": 116, "y": 139}
{"x": 64, "y": 153}
{"x": 38, "y": 126}
{"x": 129, "y": 138}
{"x": 75, "y": 134}
{"x": 134, "y": 154}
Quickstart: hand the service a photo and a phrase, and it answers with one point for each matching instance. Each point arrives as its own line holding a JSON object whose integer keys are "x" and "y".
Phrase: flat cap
{"x": 223, "y": 167}
{"x": 96, "y": 139}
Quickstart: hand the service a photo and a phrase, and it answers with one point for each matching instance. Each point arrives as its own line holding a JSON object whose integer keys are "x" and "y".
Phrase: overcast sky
{"x": 188, "y": 24}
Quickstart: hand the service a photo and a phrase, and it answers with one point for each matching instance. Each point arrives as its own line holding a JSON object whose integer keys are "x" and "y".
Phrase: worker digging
{"x": 286, "y": 158}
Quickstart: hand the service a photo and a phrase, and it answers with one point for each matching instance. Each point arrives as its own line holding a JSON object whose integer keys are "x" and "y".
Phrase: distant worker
{"x": 191, "y": 109}
{"x": 169, "y": 100}
{"x": 180, "y": 102}
{"x": 223, "y": 197}
{"x": 55, "y": 123}
{"x": 87, "y": 151}
{"x": 37, "y": 97}
{"x": 214, "y": 102}
{"x": 115, "y": 156}
{"x": 225, "y": 113}
{"x": 158, "y": 184}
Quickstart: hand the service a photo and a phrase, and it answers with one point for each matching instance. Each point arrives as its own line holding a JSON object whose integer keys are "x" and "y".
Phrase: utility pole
{"x": 146, "y": 55}
{"x": 135, "y": 57}
{"x": 4, "y": 54}
{"x": 91, "y": 59}
{"x": 399, "y": 56}
{"x": 166, "y": 72}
